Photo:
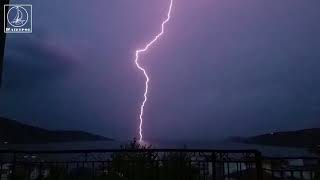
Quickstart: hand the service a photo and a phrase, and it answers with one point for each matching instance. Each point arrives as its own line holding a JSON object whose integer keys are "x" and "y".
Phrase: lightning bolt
{"x": 145, "y": 72}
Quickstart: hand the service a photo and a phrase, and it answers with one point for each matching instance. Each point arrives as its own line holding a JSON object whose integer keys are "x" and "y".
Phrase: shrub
{"x": 136, "y": 165}
{"x": 177, "y": 165}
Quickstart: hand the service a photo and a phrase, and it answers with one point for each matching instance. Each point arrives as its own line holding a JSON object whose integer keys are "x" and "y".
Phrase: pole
{"x": 2, "y": 36}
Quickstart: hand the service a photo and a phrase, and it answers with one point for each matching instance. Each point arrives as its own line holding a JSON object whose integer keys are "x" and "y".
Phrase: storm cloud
{"x": 223, "y": 68}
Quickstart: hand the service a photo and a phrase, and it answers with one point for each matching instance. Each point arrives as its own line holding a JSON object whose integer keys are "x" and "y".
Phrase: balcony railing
{"x": 152, "y": 164}
{"x": 292, "y": 168}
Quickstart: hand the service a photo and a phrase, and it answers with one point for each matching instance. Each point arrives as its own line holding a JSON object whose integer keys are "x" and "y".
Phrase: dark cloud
{"x": 31, "y": 63}
{"x": 223, "y": 68}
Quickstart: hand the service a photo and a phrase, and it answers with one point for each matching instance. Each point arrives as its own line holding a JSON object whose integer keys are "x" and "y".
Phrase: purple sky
{"x": 223, "y": 68}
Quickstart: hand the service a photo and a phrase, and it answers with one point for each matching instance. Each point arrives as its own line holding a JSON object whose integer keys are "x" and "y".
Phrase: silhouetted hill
{"x": 300, "y": 138}
{"x": 15, "y": 132}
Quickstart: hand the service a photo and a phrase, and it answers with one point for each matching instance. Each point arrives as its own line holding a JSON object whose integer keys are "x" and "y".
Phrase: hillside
{"x": 300, "y": 138}
{"x": 15, "y": 132}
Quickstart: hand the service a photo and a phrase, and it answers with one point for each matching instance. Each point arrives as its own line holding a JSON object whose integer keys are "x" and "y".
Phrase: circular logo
{"x": 17, "y": 16}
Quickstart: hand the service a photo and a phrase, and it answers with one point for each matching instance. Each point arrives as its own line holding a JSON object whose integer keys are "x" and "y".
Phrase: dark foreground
{"x": 153, "y": 164}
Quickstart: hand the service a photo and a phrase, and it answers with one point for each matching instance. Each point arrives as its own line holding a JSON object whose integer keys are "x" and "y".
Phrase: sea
{"x": 268, "y": 151}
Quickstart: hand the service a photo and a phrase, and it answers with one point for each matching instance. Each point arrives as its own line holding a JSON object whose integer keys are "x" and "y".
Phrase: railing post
{"x": 258, "y": 159}
{"x": 213, "y": 166}
{"x": 13, "y": 175}
{"x": 85, "y": 157}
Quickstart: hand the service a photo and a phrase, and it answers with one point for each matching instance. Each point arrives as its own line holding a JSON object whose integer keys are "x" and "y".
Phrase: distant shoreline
{"x": 14, "y": 132}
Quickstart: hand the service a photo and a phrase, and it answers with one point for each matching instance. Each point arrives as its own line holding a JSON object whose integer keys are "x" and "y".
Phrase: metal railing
{"x": 304, "y": 168}
{"x": 152, "y": 164}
